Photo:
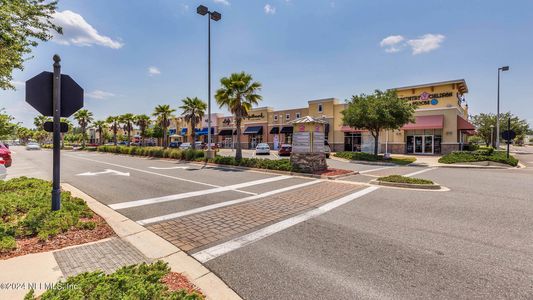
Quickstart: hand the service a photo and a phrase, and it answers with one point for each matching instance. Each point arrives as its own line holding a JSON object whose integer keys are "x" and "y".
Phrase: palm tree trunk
{"x": 83, "y": 129}
{"x": 193, "y": 135}
{"x": 376, "y": 143}
{"x": 115, "y": 134}
{"x": 238, "y": 148}
{"x": 165, "y": 134}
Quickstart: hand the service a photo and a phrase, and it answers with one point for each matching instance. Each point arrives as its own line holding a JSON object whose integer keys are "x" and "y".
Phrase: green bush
{"x": 403, "y": 179}
{"x": 281, "y": 164}
{"x": 25, "y": 211}
{"x": 141, "y": 281}
{"x": 362, "y": 156}
{"x": 479, "y": 155}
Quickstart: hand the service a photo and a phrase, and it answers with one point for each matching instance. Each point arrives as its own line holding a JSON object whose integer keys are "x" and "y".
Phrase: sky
{"x": 130, "y": 56}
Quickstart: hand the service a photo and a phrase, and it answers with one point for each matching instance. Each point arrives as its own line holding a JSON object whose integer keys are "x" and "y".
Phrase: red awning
{"x": 463, "y": 124}
{"x": 349, "y": 129}
{"x": 426, "y": 122}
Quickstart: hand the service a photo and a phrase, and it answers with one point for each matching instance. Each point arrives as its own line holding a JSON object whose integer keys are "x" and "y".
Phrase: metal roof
{"x": 463, "y": 88}
{"x": 307, "y": 119}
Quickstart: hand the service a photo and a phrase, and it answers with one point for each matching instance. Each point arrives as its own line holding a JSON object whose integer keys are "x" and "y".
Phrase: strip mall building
{"x": 441, "y": 124}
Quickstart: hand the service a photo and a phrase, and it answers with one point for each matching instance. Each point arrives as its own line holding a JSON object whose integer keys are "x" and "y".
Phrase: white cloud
{"x": 225, "y": 2}
{"x": 76, "y": 31}
{"x": 100, "y": 95}
{"x": 426, "y": 43}
{"x": 152, "y": 71}
{"x": 392, "y": 43}
{"x": 269, "y": 9}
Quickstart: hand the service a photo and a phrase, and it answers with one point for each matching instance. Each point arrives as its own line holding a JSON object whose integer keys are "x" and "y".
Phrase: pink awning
{"x": 426, "y": 122}
{"x": 463, "y": 124}
{"x": 349, "y": 129}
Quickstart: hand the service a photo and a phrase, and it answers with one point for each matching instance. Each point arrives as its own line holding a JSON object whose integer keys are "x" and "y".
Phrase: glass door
{"x": 428, "y": 144}
{"x": 418, "y": 144}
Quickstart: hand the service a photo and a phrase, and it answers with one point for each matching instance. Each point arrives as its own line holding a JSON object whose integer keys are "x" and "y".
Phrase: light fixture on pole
{"x": 215, "y": 16}
{"x": 501, "y": 69}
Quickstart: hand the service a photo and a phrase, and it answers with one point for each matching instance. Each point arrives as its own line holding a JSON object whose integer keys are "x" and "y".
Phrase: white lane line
{"x": 222, "y": 204}
{"x": 170, "y": 168}
{"x": 418, "y": 172}
{"x": 373, "y": 170}
{"x": 144, "y": 171}
{"x": 236, "y": 243}
{"x": 234, "y": 187}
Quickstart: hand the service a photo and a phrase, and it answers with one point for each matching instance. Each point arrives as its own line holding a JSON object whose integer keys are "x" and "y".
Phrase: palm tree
{"x": 40, "y": 120}
{"x": 163, "y": 113}
{"x": 143, "y": 121}
{"x": 193, "y": 112}
{"x": 128, "y": 120}
{"x": 84, "y": 118}
{"x": 238, "y": 93}
{"x": 113, "y": 121}
{"x": 100, "y": 126}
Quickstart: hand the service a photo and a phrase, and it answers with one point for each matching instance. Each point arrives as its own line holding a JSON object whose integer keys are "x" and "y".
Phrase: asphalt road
{"x": 473, "y": 241}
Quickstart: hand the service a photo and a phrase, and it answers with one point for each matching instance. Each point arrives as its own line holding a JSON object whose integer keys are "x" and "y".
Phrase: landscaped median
{"x": 367, "y": 157}
{"x": 28, "y": 225}
{"x": 485, "y": 156}
{"x": 406, "y": 182}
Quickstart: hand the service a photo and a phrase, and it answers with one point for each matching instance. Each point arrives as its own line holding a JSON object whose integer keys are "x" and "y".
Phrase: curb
{"x": 407, "y": 185}
{"x": 155, "y": 247}
{"x": 363, "y": 162}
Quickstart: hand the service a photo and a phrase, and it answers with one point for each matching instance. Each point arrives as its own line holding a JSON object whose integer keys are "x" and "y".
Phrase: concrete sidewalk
{"x": 133, "y": 244}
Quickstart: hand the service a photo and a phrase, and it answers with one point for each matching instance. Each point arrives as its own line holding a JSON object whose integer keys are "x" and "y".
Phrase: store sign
{"x": 255, "y": 116}
{"x": 428, "y": 99}
{"x": 318, "y": 142}
{"x": 226, "y": 121}
{"x": 301, "y": 142}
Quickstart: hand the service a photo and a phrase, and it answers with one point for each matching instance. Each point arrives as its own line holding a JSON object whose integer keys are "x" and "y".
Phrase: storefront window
{"x": 352, "y": 142}
{"x": 288, "y": 138}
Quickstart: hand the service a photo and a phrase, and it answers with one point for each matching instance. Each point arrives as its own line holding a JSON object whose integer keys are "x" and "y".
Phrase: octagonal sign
{"x": 39, "y": 94}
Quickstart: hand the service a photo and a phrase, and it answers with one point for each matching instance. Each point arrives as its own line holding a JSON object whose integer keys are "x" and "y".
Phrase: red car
{"x": 285, "y": 150}
{"x": 5, "y": 153}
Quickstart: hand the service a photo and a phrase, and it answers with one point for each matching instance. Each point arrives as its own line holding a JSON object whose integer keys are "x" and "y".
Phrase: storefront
{"x": 255, "y": 135}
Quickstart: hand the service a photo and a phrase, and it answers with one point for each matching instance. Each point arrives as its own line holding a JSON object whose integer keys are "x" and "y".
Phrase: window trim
{"x": 298, "y": 115}
{"x": 287, "y": 116}
{"x": 320, "y": 108}
{"x": 275, "y": 117}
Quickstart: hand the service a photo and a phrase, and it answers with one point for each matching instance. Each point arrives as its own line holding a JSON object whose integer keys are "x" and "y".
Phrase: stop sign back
{"x": 39, "y": 94}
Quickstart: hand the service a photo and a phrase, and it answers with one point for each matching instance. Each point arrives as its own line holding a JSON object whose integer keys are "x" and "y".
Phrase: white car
{"x": 33, "y": 146}
{"x": 262, "y": 148}
{"x": 185, "y": 146}
{"x": 3, "y": 170}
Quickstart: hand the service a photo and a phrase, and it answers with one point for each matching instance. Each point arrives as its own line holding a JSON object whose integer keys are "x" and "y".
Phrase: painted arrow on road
{"x": 169, "y": 168}
{"x": 107, "y": 171}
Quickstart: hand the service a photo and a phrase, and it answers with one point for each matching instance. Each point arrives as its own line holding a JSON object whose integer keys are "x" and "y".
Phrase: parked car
{"x": 3, "y": 171}
{"x": 33, "y": 146}
{"x": 214, "y": 146}
{"x": 185, "y": 146}
{"x": 327, "y": 149}
{"x": 285, "y": 150}
{"x": 174, "y": 144}
{"x": 5, "y": 155}
{"x": 262, "y": 148}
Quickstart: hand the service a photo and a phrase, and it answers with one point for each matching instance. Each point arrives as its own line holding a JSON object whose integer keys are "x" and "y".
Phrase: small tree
{"x": 193, "y": 112}
{"x": 378, "y": 111}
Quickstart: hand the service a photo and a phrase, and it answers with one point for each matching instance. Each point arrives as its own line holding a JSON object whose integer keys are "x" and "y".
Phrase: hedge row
{"x": 477, "y": 156}
{"x": 404, "y": 179}
{"x": 154, "y": 152}
{"x": 25, "y": 212}
{"x": 362, "y": 156}
{"x": 281, "y": 164}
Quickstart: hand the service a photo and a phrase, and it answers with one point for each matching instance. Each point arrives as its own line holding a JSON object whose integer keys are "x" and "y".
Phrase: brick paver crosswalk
{"x": 198, "y": 230}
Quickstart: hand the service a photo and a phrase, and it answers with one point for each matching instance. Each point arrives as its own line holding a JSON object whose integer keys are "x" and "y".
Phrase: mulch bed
{"x": 69, "y": 238}
{"x": 333, "y": 172}
{"x": 176, "y": 281}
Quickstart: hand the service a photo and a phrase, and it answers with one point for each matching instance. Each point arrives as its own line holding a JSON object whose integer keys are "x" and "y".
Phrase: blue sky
{"x": 130, "y": 56}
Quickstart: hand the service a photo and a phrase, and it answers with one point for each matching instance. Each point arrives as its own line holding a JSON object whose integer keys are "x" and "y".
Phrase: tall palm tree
{"x": 193, "y": 112}
{"x": 84, "y": 118}
{"x": 143, "y": 121}
{"x": 128, "y": 120}
{"x": 114, "y": 123}
{"x": 238, "y": 93}
{"x": 100, "y": 126}
{"x": 40, "y": 120}
{"x": 163, "y": 113}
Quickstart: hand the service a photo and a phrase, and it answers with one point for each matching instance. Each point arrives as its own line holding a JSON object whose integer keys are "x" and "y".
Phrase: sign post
{"x": 508, "y": 135}
{"x": 55, "y": 95}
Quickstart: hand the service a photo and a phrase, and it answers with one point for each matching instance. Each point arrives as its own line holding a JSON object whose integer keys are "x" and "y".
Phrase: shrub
{"x": 403, "y": 179}
{"x": 281, "y": 164}
{"x": 141, "y": 281}
{"x": 362, "y": 156}
{"x": 25, "y": 211}
{"x": 479, "y": 155}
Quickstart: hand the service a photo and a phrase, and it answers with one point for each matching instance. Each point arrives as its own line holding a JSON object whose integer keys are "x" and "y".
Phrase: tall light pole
{"x": 492, "y": 135}
{"x": 501, "y": 69}
{"x": 215, "y": 16}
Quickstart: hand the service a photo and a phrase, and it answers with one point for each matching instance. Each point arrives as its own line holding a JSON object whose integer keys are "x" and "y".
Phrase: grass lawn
{"x": 403, "y": 179}
{"x": 27, "y": 221}
{"x": 400, "y": 160}
{"x": 477, "y": 156}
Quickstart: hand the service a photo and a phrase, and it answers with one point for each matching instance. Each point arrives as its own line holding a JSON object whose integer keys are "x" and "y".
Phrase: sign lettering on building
{"x": 226, "y": 121}
{"x": 255, "y": 116}
{"x": 427, "y": 99}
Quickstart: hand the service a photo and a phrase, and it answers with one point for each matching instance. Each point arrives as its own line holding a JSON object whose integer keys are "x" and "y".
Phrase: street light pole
{"x": 216, "y": 16}
{"x": 501, "y": 69}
